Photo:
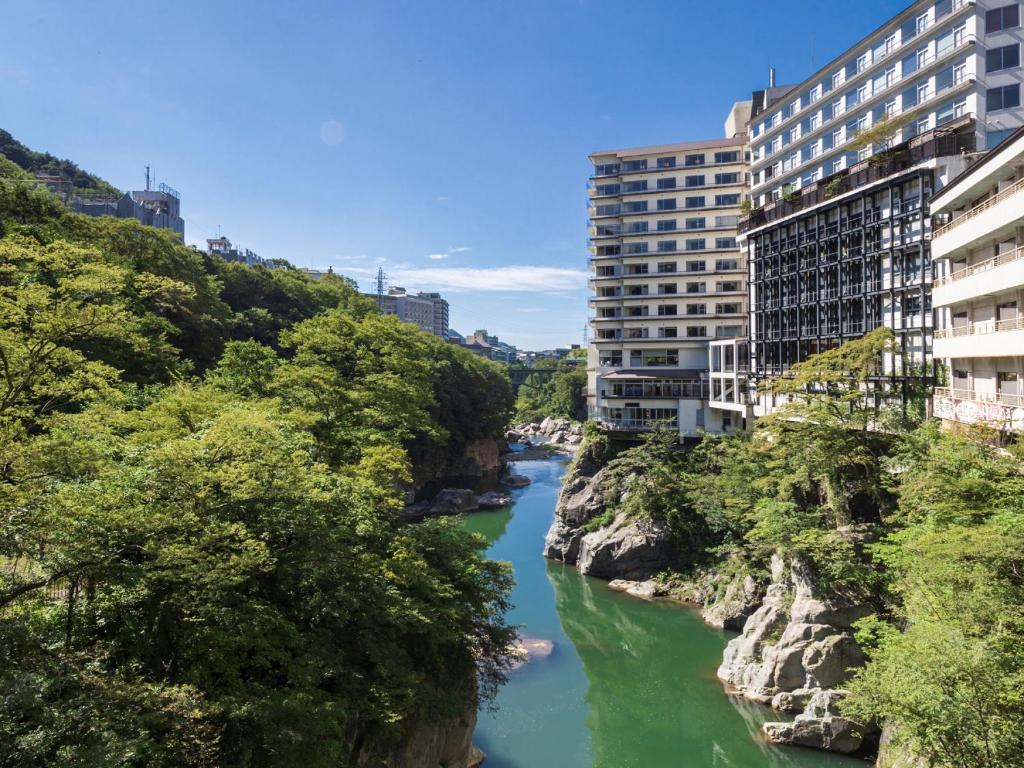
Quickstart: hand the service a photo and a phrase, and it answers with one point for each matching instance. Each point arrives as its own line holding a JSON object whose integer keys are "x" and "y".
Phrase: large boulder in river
{"x": 634, "y": 549}
{"x": 453, "y": 501}
{"x": 820, "y": 726}
{"x": 493, "y": 500}
{"x": 516, "y": 481}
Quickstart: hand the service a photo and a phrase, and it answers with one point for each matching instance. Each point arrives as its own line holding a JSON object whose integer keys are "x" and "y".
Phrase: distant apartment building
{"x": 427, "y": 310}
{"x": 843, "y": 169}
{"x": 668, "y": 278}
{"x": 978, "y": 293}
{"x": 221, "y": 246}
{"x": 159, "y": 208}
{"x": 439, "y": 324}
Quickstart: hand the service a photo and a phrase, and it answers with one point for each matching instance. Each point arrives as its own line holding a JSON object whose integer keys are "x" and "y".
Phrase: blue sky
{"x": 445, "y": 141}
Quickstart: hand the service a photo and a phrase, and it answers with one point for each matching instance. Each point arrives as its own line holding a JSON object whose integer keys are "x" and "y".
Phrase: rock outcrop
{"x": 795, "y": 641}
{"x": 623, "y": 548}
{"x": 493, "y": 500}
{"x": 626, "y": 549}
{"x": 732, "y": 603}
{"x": 428, "y": 745}
{"x": 820, "y": 726}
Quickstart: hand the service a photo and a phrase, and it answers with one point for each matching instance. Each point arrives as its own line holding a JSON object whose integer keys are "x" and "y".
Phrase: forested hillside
{"x": 32, "y": 162}
{"x": 201, "y": 466}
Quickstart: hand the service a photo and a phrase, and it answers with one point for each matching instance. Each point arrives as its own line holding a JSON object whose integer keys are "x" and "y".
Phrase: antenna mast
{"x": 379, "y": 284}
{"x": 147, "y": 178}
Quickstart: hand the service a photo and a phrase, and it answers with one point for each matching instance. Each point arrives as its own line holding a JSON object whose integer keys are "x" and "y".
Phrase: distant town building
{"x": 160, "y": 208}
{"x": 221, "y": 246}
{"x": 427, "y": 310}
{"x": 486, "y": 345}
{"x": 317, "y": 274}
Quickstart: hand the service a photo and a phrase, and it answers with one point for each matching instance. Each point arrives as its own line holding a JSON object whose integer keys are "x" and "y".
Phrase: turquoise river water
{"x": 629, "y": 682}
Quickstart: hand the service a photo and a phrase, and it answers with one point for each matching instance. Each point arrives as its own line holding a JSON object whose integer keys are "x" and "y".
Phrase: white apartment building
{"x": 668, "y": 277}
{"x": 929, "y": 65}
{"x": 843, "y": 168}
{"x": 978, "y": 293}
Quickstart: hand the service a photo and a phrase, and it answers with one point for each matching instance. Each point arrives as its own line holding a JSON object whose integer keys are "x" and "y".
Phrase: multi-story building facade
{"x": 978, "y": 252}
{"x": 439, "y": 324}
{"x": 843, "y": 166}
{"x": 159, "y": 208}
{"x": 668, "y": 277}
{"x": 221, "y": 246}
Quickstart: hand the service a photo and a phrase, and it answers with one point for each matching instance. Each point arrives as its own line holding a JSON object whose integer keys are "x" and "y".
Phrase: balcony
{"x": 636, "y": 425}
{"x": 994, "y": 219}
{"x": 985, "y": 278}
{"x": 988, "y": 338}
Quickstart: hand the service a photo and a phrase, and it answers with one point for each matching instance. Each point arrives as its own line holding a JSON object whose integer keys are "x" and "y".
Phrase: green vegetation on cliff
{"x": 563, "y": 396}
{"x": 201, "y": 466}
{"x": 31, "y": 163}
{"x": 927, "y": 527}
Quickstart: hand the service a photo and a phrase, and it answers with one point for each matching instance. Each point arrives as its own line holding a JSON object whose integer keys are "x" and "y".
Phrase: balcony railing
{"x": 982, "y": 328}
{"x": 637, "y": 424}
{"x": 999, "y": 398}
{"x": 983, "y": 266}
{"x": 979, "y": 209}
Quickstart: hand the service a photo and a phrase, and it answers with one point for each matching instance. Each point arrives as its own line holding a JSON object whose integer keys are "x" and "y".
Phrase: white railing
{"x": 999, "y": 398}
{"x": 979, "y": 209}
{"x": 983, "y": 266}
{"x": 982, "y": 328}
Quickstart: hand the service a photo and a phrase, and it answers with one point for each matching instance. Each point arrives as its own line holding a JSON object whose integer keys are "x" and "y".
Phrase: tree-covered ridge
{"x": 201, "y": 466}
{"x": 923, "y": 526}
{"x": 85, "y": 184}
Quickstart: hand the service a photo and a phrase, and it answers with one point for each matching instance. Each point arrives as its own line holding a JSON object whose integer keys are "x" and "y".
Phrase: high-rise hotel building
{"x": 668, "y": 277}
{"x": 842, "y": 170}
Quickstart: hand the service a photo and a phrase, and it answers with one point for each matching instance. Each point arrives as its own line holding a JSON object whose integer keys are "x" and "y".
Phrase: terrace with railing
{"x": 979, "y": 209}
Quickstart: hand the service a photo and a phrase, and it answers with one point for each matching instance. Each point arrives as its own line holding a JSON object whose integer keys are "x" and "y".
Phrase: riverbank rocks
{"x": 564, "y": 434}
{"x": 645, "y": 590}
{"x": 794, "y": 641}
{"x": 580, "y": 500}
{"x": 493, "y": 500}
{"x": 453, "y": 501}
{"x": 733, "y": 602}
{"x": 820, "y": 726}
{"x": 515, "y": 481}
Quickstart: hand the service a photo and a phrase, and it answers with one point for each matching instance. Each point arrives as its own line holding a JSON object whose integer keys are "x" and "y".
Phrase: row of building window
{"x": 666, "y": 267}
{"x": 688, "y": 161}
{"x": 669, "y": 182}
{"x": 999, "y": 19}
{"x": 639, "y": 291}
{"x": 668, "y": 204}
{"x": 671, "y": 246}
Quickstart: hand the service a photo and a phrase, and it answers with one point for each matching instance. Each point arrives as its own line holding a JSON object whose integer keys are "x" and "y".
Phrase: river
{"x": 629, "y": 682}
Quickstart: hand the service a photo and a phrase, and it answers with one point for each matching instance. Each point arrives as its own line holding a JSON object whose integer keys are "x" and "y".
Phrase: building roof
{"x": 658, "y": 149}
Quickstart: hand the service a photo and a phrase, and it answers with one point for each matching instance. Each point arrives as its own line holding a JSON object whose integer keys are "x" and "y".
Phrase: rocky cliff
{"x": 620, "y": 548}
{"x": 794, "y": 653}
{"x": 428, "y": 745}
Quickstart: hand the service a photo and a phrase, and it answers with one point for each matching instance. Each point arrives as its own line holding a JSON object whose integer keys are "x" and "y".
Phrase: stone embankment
{"x": 795, "y": 648}
{"x": 457, "y": 501}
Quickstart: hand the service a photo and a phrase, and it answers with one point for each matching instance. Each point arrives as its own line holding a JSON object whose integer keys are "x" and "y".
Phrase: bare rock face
{"x": 820, "y": 726}
{"x": 626, "y": 549}
{"x": 794, "y": 641}
{"x": 428, "y": 745}
{"x": 738, "y": 601}
{"x": 581, "y": 499}
{"x": 893, "y": 755}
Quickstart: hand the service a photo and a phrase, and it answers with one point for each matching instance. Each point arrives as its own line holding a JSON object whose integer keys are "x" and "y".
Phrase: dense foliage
{"x": 85, "y": 184}
{"x": 562, "y": 396}
{"x": 927, "y": 527}
{"x": 201, "y": 466}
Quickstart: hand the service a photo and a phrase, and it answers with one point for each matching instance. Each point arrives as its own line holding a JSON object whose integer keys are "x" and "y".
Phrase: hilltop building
{"x": 159, "y": 208}
{"x": 978, "y": 252}
{"x": 489, "y": 346}
{"x": 668, "y": 278}
{"x": 221, "y": 246}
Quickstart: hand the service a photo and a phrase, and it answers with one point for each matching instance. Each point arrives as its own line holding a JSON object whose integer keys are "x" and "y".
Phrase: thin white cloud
{"x": 360, "y": 257}
{"x": 496, "y": 279}
{"x": 460, "y": 249}
{"x": 436, "y": 256}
